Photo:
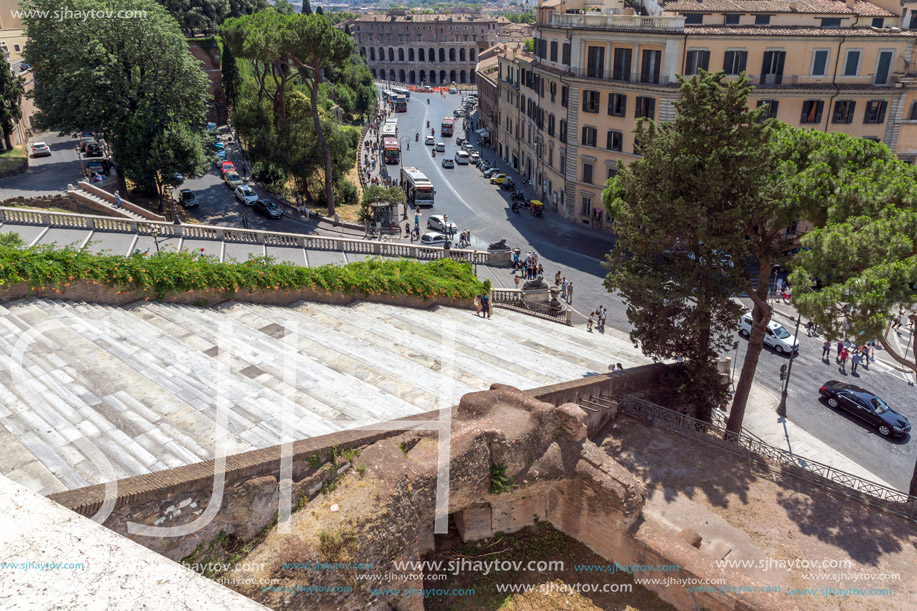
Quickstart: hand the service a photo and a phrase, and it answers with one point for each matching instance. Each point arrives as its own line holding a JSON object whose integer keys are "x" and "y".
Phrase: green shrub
{"x": 169, "y": 272}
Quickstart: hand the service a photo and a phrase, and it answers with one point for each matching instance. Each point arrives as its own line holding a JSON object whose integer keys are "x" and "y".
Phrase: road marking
{"x": 443, "y": 176}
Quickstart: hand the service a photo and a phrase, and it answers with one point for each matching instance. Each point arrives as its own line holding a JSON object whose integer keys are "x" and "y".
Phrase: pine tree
{"x": 11, "y": 91}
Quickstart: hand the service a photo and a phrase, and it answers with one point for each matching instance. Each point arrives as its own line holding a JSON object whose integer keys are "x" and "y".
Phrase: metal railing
{"x": 750, "y": 446}
{"x": 609, "y": 75}
{"x": 19, "y": 216}
{"x": 607, "y": 22}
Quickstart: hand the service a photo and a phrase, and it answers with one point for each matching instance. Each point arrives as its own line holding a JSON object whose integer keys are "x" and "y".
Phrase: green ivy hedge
{"x": 180, "y": 272}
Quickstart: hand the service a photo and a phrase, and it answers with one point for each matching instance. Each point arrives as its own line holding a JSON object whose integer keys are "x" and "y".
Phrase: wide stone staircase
{"x": 90, "y": 393}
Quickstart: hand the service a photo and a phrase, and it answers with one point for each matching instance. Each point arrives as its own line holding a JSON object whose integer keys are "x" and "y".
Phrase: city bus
{"x": 401, "y": 104}
{"x": 417, "y": 187}
{"x": 448, "y": 126}
{"x": 390, "y": 130}
{"x": 405, "y": 92}
{"x": 391, "y": 152}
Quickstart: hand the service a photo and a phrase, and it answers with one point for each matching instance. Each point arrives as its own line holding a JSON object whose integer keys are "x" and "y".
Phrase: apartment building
{"x": 598, "y": 66}
{"x": 424, "y": 49}
{"x": 12, "y": 36}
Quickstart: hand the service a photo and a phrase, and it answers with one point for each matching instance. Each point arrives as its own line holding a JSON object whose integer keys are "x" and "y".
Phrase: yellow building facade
{"x": 598, "y": 67}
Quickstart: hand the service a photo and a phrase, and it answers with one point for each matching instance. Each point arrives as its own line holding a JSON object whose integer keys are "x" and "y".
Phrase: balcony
{"x": 606, "y": 76}
{"x": 664, "y": 23}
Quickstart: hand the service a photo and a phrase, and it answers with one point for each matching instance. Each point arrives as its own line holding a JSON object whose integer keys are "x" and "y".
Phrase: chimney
{"x": 850, "y": 3}
{"x": 794, "y": 4}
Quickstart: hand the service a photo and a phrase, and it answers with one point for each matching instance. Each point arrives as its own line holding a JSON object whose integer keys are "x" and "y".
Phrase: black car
{"x": 94, "y": 149}
{"x": 268, "y": 209}
{"x": 866, "y": 406}
{"x": 188, "y": 198}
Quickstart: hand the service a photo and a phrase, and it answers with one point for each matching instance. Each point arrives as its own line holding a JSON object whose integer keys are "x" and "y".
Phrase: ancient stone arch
{"x": 442, "y": 55}
{"x": 451, "y": 55}
{"x": 400, "y": 54}
{"x": 411, "y": 54}
{"x": 461, "y": 55}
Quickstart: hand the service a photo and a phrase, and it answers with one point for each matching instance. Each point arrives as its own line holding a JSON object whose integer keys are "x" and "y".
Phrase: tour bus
{"x": 391, "y": 152}
{"x": 417, "y": 188}
{"x": 401, "y": 104}
{"x": 405, "y": 92}
{"x": 390, "y": 130}
{"x": 448, "y": 126}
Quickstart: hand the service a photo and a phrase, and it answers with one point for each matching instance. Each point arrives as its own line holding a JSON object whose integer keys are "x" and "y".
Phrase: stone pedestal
{"x": 536, "y": 295}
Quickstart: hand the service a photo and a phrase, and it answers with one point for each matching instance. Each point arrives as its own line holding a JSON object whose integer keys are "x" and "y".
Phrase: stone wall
{"x": 61, "y": 202}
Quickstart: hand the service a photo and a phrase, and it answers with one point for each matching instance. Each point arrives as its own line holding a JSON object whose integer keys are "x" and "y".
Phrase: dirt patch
{"x": 550, "y": 589}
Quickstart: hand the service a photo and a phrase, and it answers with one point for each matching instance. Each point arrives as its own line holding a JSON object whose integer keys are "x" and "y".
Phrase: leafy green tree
{"x": 133, "y": 79}
{"x": 175, "y": 153}
{"x": 679, "y": 213}
{"x": 11, "y": 92}
{"x": 530, "y": 45}
{"x": 197, "y": 15}
{"x": 230, "y": 76}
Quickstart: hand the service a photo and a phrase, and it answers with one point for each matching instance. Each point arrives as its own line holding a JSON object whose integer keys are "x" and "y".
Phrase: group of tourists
{"x": 597, "y": 318}
{"x": 529, "y": 265}
{"x": 483, "y": 306}
{"x": 566, "y": 288}
{"x": 857, "y": 356}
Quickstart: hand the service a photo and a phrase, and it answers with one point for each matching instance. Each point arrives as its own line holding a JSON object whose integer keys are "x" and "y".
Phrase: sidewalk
{"x": 762, "y": 420}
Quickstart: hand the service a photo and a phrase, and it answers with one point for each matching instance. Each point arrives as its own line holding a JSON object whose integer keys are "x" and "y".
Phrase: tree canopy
{"x": 11, "y": 92}
{"x": 207, "y": 15}
{"x": 134, "y": 80}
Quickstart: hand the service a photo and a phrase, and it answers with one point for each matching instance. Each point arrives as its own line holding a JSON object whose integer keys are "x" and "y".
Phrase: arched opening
{"x": 462, "y": 77}
{"x": 391, "y": 54}
{"x": 400, "y": 54}
{"x": 423, "y": 74}
{"x": 432, "y": 77}
{"x": 471, "y": 54}
{"x": 363, "y": 51}
{"x": 442, "y": 55}
{"x": 372, "y": 54}
{"x": 451, "y": 55}
{"x": 412, "y": 77}
{"x": 432, "y": 55}
{"x": 401, "y": 76}
{"x": 442, "y": 77}
{"x": 373, "y": 72}
{"x": 411, "y": 54}
{"x": 452, "y": 76}
{"x": 420, "y": 54}
{"x": 381, "y": 54}
{"x": 461, "y": 55}
{"x": 391, "y": 75}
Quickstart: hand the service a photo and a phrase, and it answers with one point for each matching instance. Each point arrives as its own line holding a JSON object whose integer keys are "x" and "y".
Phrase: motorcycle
{"x": 432, "y": 131}
{"x": 516, "y": 206}
{"x": 434, "y": 152}
{"x": 428, "y": 100}
{"x": 416, "y": 137}
{"x": 428, "y": 124}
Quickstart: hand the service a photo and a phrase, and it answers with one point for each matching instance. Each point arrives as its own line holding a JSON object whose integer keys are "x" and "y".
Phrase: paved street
{"x": 46, "y": 175}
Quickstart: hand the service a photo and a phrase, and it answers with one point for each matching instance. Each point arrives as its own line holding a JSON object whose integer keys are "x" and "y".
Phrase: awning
{"x": 483, "y": 133}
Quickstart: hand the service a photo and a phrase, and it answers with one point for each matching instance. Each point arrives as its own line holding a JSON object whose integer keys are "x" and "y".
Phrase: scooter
{"x": 417, "y": 137}
{"x": 434, "y": 152}
{"x": 516, "y": 206}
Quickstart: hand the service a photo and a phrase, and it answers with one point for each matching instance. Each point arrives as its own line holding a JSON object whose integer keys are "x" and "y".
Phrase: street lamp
{"x": 785, "y": 375}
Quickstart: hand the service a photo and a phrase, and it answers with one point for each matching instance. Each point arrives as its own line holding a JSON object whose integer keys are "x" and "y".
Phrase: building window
{"x": 563, "y": 162}
{"x": 811, "y": 111}
{"x": 563, "y": 96}
{"x": 772, "y": 67}
{"x": 611, "y": 172}
{"x": 878, "y": 22}
{"x": 589, "y": 135}
{"x": 563, "y": 130}
{"x": 650, "y": 65}
{"x": 553, "y": 50}
{"x": 590, "y": 101}
{"x": 646, "y": 108}
{"x": 553, "y": 89}
{"x": 17, "y": 48}
{"x": 734, "y": 62}
{"x": 694, "y": 19}
{"x": 831, "y": 22}
{"x": 551, "y": 124}
{"x": 595, "y": 62}
{"x": 586, "y": 208}
{"x": 762, "y": 19}
{"x": 697, "y": 60}
{"x": 587, "y": 173}
{"x": 852, "y": 63}
{"x": 843, "y": 111}
{"x": 622, "y": 62}
{"x": 617, "y": 104}
{"x": 913, "y": 115}
{"x": 615, "y": 140}
{"x": 820, "y": 62}
{"x": 875, "y": 111}
{"x": 771, "y": 112}
{"x": 732, "y": 19}
{"x": 883, "y": 66}
{"x": 565, "y": 51}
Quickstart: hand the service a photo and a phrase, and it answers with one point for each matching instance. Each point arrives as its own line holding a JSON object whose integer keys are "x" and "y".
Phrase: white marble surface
{"x": 109, "y": 571}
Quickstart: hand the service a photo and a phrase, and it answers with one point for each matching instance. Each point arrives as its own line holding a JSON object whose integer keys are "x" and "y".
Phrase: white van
{"x": 461, "y": 158}
{"x": 776, "y": 336}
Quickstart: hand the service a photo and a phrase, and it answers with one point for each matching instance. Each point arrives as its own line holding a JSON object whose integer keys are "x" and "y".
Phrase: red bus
{"x": 401, "y": 104}
{"x": 448, "y": 126}
{"x": 391, "y": 152}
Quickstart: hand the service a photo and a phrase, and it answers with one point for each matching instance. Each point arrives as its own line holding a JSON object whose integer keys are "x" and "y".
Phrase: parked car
{"x": 268, "y": 209}
{"x": 490, "y": 172}
{"x": 94, "y": 149}
{"x": 866, "y": 406}
{"x": 40, "y": 149}
{"x": 439, "y": 223}
{"x": 227, "y": 166}
{"x": 246, "y": 195}
{"x": 458, "y": 112}
{"x": 475, "y": 158}
{"x": 453, "y": 90}
{"x": 776, "y": 336}
{"x": 85, "y": 143}
{"x": 429, "y": 140}
{"x": 433, "y": 238}
{"x": 219, "y": 150}
{"x": 459, "y": 141}
{"x": 213, "y": 128}
{"x": 498, "y": 178}
{"x": 232, "y": 178}
{"x": 461, "y": 158}
{"x": 24, "y": 67}
{"x": 98, "y": 166}
{"x": 188, "y": 199}
{"x": 440, "y": 147}
{"x": 448, "y": 162}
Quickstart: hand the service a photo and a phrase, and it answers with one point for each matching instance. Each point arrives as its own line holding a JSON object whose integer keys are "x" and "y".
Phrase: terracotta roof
{"x": 827, "y": 7}
{"x": 444, "y": 19}
{"x": 779, "y": 30}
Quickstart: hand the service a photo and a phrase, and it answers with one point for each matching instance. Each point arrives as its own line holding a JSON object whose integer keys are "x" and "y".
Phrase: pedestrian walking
{"x": 477, "y": 305}
{"x": 843, "y": 360}
{"x": 570, "y": 292}
{"x": 787, "y": 293}
{"x": 563, "y": 287}
{"x": 485, "y": 305}
{"x": 118, "y": 202}
{"x": 825, "y": 350}
{"x": 602, "y": 315}
{"x": 840, "y": 348}
{"x": 557, "y": 278}
{"x": 855, "y": 362}
{"x": 895, "y": 325}
{"x": 809, "y": 326}
{"x": 516, "y": 279}
{"x": 589, "y": 324}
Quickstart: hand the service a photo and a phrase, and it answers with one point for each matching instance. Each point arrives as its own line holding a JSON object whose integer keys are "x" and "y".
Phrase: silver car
{"x": 246, "y": 195}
